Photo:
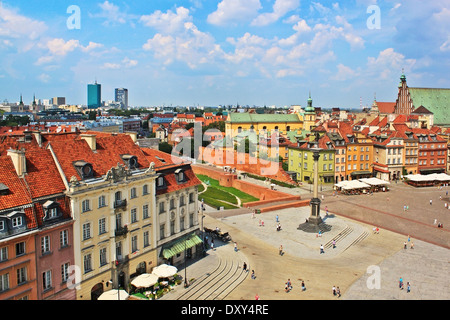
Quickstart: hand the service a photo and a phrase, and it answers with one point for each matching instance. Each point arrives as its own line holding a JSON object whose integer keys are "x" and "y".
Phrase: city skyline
{"x": 209, "y": 53}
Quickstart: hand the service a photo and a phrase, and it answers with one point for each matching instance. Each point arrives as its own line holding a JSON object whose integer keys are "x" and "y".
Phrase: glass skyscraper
{"x": 94, "y": 95}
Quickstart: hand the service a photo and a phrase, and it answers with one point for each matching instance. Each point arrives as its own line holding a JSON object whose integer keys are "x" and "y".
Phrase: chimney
{"x": 38, "y": 137}
{"x": 19, "y": 161}
{"x": 133, "y": 136}
{"x": 91, "y": 140}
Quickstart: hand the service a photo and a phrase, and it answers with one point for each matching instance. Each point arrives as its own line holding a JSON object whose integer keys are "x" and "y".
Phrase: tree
{"x": 165, "y": 147}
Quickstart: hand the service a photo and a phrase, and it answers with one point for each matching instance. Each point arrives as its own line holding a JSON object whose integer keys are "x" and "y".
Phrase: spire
{"x": 310, "y": 107}
{"x": 403, "y": 77}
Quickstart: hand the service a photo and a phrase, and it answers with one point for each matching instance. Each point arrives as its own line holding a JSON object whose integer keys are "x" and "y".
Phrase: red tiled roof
{"x": 108, "y": 154}
{"x": 18, "y": 194}
{"x": 386, "y": 107}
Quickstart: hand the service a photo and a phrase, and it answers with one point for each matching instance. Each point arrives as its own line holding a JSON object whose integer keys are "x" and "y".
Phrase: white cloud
{"x": 388, "y": 64}
{"x": 446, "y": 45}
{"x": 169, "y": 22}
{"x": 234, "y": 11}
{"x": 344, "y": 73}
{"x": 45, "y": 78}
{"x": 58, "y": 47}
{"x": 14, "y": 25}
{"x": 280, "y": 9}
{"x": 112, "y": 14}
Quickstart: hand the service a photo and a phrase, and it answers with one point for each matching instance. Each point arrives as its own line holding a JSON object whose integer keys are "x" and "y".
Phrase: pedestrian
{"x": 412, "y": 245}
{"x": 253, "y": 276}
{"x": 276, "y": 218}
{"x": 334, "y": 243}
{"x": 333, "y": 290}
{"x": 245, "y": 266}
{"x": 321, "y": 249}
{"x": 338, "y": 292}
{"x": 303, "y": 286}
{"x": 212, "y": 244}
{"x": 400, "y": 283}
{"x": 408, "y": 287}
{"x": 326, "y": 211}
{"x": 256, "y": 297}
{"x": 288, "y": 286}
{"x": 404, "y": 245}
{"x": 435, "y": 221}
{"x": 281, "y": 250}
{"x": 431, "y": 202}
{"x": 235, "y": 247}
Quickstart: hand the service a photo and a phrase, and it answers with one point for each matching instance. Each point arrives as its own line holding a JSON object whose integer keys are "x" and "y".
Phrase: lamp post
{"x": 186, "y": 284}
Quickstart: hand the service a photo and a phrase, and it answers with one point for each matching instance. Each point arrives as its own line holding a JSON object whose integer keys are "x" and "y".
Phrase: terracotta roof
{"x": 110, "y": 147}
{"x": 17, "y": 195}
{"x": 386, "y": 107}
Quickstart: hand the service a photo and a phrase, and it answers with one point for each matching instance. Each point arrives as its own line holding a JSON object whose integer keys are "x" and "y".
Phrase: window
{"x": 3, "y": 254}
{"x": 172, "y": 227}
{"x": 306, "y": 166}
{"x": 45, "y": 244}
{"x": 160, "y": 182}
{"x": 101, "y": 226}
{"x": 172, "y": 204}
{"x": 191, "y": 197}
{"x": 145, "y": 214}
{"x": 103, "y": 260}
{"x": 367, "y": 157}
{"x": 330, "y": 167}
{"x": 191, "y": 220}
{"x": 85, "y": 206}
{"x": 349, "y": 167}
{"x": 134, "y": 244}
{"x": 47, "y": 280}
{"x": 64, "y": 238}
{"x": 20, "y": 248}
{"x": 133, "y": 215}
{"x": 362, "y": 158}
{"x": 64, "y": 272}
{"x": 87, "y": 263}
{"x": 145, "y": 189}
{"x": 182, "y": 223}
{"x": 162, "y": 227}
{"x": 354, "y": 167}
{"x": 182, "y": 203}
{"x": 86, "y": 231}
{"x": 16, "y": 222}
{"x": 101, "y": 201}
{"x": 52, "y": 212}
{"x": 355, "y": 157}
{"x": 4, "y": 282}
{"x": 324, "y": 167}
{"x": 146, "y": 239}
{"x": 325, "y": 156}
{"x": 2, "y": 225}
{"x": 21, "y": 275}
{"x": 349, "y": 158}
{"x": 133, "y": 193}
{"x": 162, "y": 207}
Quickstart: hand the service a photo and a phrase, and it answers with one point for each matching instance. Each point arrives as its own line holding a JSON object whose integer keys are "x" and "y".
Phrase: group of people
{"x": 288, "y": 286}
{"x": 401, "y": 285}
{"x": 336, "y": 291}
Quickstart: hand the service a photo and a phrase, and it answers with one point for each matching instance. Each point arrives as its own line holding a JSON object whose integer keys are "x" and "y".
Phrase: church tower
{"x": 309, "y": 120}
{"x": 404, "y": 103}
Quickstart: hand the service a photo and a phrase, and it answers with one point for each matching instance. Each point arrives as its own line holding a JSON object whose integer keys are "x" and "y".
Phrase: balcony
{"x": 121, "y": 231}
{"x": 120, "y": 204}
{"x": 121, "y": 260}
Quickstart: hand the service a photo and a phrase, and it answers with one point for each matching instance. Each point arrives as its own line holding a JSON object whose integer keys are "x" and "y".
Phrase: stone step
{"x": 344, "y": 233}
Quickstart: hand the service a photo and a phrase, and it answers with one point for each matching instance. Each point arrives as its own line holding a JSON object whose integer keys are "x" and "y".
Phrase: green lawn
{"x": 218, "y": 192}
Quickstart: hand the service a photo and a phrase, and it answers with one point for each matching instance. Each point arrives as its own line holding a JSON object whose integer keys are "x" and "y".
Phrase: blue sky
{"x": 216, "y": 52}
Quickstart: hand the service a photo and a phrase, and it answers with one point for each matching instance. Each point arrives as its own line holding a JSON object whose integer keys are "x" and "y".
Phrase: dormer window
{"x": 51, "y": 209}
{"x": 180, "y": 176}
{"x": 4, "y": 190}
{"x": 131, "y": 161}
{"x": 160, "y": 181}
{"x": 84, "y": 169}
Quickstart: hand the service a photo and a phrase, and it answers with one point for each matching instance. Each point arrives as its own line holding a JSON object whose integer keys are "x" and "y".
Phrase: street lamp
{"x": 186, "y": 284}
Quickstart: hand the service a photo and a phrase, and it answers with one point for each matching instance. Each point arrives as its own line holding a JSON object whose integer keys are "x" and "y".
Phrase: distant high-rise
{"x": 59, "y": 101}
{"x": 94, "y": 95}
{"x": 121, "y": 97}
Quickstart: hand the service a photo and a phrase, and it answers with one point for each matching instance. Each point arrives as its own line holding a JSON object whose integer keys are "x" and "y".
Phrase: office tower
{"x": 94, "y": 95}
{"x": 59, "y": 101}
{"x": 121, "y": 97}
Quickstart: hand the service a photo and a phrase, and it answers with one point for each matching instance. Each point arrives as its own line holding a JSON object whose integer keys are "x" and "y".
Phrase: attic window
{"x": 161, "y": 159}
{"x": 4, "y": 190}
{"x": 51, "y": 209}
{"x": 160, "y": 181}
{"x": 179, "y": 174}
{"x": 131, "y": 161}
{"x": 84, "y": 169}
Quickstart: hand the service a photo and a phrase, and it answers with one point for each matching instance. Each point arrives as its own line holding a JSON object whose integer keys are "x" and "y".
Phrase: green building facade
{"x": 301, "y": 161}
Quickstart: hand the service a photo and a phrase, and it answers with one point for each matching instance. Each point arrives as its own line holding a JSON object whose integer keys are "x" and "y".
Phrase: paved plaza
{"x": 361, "y": 259}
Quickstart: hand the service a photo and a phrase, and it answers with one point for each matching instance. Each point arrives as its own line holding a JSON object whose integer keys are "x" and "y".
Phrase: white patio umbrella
{"x": 145, "y": 280}
{"x": 165, "y": 271}
{"x": 114, "y": 295}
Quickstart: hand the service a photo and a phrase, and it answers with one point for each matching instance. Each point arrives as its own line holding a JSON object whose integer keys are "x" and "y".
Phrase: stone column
{"x": 315, "y": 201}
